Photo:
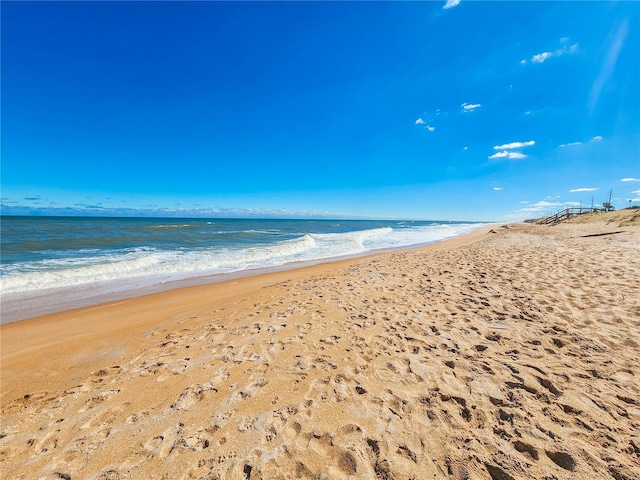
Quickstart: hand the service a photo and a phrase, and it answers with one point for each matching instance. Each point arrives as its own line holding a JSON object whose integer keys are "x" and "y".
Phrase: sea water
{"x": 83, "y": 257}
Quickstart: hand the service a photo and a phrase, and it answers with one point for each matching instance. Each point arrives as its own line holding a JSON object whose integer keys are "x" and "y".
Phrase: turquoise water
{"x": 44, "y": 253}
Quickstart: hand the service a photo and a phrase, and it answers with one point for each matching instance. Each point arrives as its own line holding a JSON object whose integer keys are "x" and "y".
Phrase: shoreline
{"x": 62, "y": 330}
{"x": 506, "y": 353}
{"x": 21, "y": 306}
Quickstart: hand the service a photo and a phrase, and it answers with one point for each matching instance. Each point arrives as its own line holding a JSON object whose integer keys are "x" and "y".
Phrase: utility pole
{"x": 607, "y": 206}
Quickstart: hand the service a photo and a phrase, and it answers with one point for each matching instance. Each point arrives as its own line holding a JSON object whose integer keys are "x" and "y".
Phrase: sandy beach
{"x": 509, "y": 353}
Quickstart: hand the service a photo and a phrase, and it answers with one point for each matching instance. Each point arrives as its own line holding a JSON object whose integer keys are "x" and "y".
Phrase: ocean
{"x": 83, "y": 260}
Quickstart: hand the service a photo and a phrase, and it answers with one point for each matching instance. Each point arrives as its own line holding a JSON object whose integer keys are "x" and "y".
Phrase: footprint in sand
{"x": 98, "y": 399}
{"x": 193, "y": 394}
{"x": 47, "y": 444}
{"x": 248, "y": 391}
{"x": 28, "y": 400}
{"x": 103, "y": 374}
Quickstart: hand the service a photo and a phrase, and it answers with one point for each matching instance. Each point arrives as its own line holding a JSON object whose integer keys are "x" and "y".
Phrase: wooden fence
{"x": 566, "y": 213}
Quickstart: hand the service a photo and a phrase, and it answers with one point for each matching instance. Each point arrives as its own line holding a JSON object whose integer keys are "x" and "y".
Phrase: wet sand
{"x": 510, "y": 353}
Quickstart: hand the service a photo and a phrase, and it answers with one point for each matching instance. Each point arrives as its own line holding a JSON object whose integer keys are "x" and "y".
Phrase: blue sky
{"x": 428, "y": 110}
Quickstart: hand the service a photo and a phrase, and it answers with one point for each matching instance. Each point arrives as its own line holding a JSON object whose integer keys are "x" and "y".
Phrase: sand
{"x": 511, "y": 353}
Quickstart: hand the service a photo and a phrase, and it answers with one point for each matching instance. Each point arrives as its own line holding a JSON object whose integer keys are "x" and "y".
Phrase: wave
{"x": 170, "y": 226}
{"x": 246, "y": 232}
{"x": 153, "y": 263}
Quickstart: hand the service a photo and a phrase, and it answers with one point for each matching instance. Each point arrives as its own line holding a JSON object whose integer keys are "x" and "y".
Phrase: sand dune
{"x": 622, "y": 218}
{"x": 509, "y": 354}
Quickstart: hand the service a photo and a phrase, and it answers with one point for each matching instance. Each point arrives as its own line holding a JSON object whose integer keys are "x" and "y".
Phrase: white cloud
{"x": 512, "y": 145}
{"x": 636, "y": 192}
{"x": 539, "y": 206}
{"x": 469, "y": 107}
{"x": 597, "y": 138}
{"x": 497, "y": 189}
{"x": 630, "y": 179}
{"x": 420, "y": 121}
{"x": 451, "y": 3}
{"x": 544, "y": 204}
{"x": 572, "y": 144}
{"x": 566, "y": 48}
{"x": 541, "y": 57}
{"x": 589, "y": 189}
{"x": 506, "y": 154}
{"x": 467, "y": 148}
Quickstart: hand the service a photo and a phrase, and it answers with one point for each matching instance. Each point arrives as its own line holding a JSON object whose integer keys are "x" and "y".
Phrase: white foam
{"x": 149, "y": 266}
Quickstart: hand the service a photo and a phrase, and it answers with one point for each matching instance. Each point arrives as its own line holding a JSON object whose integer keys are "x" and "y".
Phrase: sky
{"x": 456, "y": 110}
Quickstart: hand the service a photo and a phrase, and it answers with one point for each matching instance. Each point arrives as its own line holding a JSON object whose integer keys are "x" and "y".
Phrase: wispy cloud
{"x": 583, "y": 189}
{"x": 541, "y": 57}
{"x": 512, "y": 145}
{"x": 497, "y": 189}
{"x": 420, "y": 121}
{"x": 508, "y": 155}
{"x": 597, "y": 138}
{"x": 430, "y": 128}
{"x": 97, "y": 206}
{"x": 566, "y": 48}
{"x": 470, "y": 107}
{"x": 451, "y": 3}
{"x": 211, "y": 212}
{"x": 540, "y": 206}
{"x": 545, "y": 204}
{"x": 630, "y": 179}
{"x": 609, "y": 64}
